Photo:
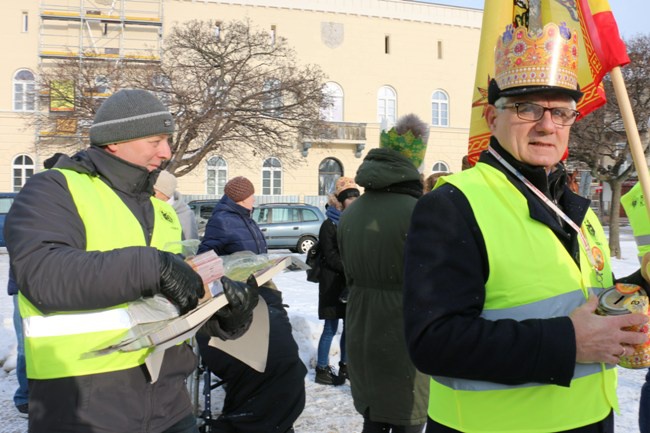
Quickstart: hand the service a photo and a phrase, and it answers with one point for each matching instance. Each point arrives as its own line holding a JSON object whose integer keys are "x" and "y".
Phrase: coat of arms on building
{"x": 331, "y": 34}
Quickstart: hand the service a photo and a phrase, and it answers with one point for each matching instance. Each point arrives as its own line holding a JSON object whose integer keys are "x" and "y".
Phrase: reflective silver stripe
{"x": 556, "y": 306}
{"x": 71, "y": 324}
{"x": 581, "y": 370}
{"x": 642, "y": 241}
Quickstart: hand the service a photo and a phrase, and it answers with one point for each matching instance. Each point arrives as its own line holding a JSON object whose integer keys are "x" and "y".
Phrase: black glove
{"x": 179, "y": 283}
{"x": 242, "y": 299}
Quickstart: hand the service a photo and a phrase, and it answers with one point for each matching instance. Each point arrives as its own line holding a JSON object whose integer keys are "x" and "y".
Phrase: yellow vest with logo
{"x": 57, "y": 344}
{"x": 531, "y": 276}
{"x": 634, "y": 205}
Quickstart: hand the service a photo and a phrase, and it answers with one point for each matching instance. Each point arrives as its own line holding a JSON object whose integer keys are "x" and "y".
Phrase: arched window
{"x": 328, "y": 171}
{"x": 24, "y": 91}
{"x": 440, "y": 167}
{"x": 334, "y": 97}
{"x": 217, "y": 175}
{"x": 386, "y": 107}
{"x": 23, "y": 169}
{"x": 439, "y": 108}
{"x": 272, "y": 177}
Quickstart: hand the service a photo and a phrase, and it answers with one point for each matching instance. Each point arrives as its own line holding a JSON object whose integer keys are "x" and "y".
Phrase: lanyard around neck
{"x": 585, "y": 244}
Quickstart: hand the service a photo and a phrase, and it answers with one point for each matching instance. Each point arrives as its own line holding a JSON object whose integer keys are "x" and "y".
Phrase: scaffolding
{"x": 101, "y": 29}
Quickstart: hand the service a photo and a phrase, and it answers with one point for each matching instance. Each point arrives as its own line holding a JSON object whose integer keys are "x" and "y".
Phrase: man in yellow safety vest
{"x": 86, "y": 238}
{"x": 503, "y": 263}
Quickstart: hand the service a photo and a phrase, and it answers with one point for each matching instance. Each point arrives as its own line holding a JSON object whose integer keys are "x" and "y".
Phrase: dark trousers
{"x": 382, "y": 427}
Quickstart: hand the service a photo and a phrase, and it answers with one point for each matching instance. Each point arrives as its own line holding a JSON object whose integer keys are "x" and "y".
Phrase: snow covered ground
{"x": 328, "y": 409}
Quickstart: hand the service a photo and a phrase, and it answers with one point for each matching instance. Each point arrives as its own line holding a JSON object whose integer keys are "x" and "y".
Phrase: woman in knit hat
{"x": 254, "y": 402}
{"x": 332, "y": 287}
{"x": 231, "y": 228}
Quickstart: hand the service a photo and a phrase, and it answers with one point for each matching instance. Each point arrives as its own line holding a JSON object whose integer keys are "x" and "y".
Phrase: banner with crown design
{"x": 600, "y": 48}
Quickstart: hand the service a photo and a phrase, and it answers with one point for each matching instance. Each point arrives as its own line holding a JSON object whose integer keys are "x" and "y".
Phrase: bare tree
{"x": 599, "y": 141}
{"x": 234, "y": 91}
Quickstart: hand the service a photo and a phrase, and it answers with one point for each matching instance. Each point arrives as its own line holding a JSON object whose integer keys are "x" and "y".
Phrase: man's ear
{"x": 490, "y": 116}
{"x": 111, "y": 148}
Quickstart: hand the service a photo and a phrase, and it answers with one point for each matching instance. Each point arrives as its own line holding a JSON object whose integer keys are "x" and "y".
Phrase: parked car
{"x": 294, "y": 226}
{"x": 6, "y": 199}
{"x": 202, "y": 211}
{"x": 289, "y": 225}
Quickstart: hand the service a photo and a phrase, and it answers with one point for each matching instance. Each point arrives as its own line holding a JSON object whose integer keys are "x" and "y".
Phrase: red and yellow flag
{"x": 601, "y": 49}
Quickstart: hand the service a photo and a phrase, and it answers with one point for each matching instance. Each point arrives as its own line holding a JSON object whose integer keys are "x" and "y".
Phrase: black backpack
{"x": 314, "y": 262}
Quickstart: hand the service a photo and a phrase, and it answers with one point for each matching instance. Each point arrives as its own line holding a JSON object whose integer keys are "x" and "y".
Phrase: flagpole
{"x": 633, "y": 138}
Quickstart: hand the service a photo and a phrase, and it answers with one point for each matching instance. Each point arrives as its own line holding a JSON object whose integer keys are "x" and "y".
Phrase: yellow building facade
{"x": 383, "y": 59}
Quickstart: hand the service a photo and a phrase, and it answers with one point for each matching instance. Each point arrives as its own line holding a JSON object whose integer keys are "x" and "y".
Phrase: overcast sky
{"x": 631, "y": 15}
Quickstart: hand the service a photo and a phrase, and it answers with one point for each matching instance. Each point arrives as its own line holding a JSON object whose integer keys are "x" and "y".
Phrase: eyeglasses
{"x": 533, "y": 112}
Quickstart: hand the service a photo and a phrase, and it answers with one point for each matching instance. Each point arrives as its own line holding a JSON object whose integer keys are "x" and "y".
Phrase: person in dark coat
{"x": 231, "y": 228}
{"x": 332, "y": 290}
{"x": 386, "y": 388}
{"x": 261, "y": 402}
{"x": 255, "y": 402}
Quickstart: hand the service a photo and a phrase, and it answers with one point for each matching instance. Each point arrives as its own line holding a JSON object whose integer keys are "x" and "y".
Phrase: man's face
{"x": 539, "y": 143}
{"x": 248, "y": 202}
{"x": 147, "y": 152}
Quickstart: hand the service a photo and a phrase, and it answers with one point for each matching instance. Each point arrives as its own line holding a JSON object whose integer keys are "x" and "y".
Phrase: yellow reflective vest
{"x": 57, "y": 344}
{"x": 531, "y": 276}
{"x": 634, "y": 205}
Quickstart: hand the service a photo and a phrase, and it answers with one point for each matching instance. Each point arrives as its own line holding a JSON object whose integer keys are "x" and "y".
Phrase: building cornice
{"x": 406, "y": 10}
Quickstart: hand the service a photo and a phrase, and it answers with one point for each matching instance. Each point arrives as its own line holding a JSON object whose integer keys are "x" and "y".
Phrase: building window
{"x": 386, "y": 44}
{"x": 273, "y": 34}
{"x": 439, "y": 50}
{"x": 272, "y": 103}
{"x": 440, "y": 167}
{"x": 25, "y": 22}
{"x": 386, "y": 107}
{"x": 334, "y": 98}
{"x": 23, "y": 169}
{"x": 439, "y": 108}
{"x": 24, "y": 95}
{"x": 328, "y": 171}
{"x": 217, "y": 30}
{"x": 272, "y": 177}
{"x": 217, "y": 175}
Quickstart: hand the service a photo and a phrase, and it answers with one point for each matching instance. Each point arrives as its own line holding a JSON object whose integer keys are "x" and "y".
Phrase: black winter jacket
{"x": 261, "y": 402}
{"x": 231, "y": 229}
{"x": 332, "y": 279}
{"x": 47, "y": 246}
{"x": 446, "y": 268}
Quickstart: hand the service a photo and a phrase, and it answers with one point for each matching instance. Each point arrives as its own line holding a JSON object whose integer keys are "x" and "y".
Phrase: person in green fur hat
{"x": 386, "y": 388}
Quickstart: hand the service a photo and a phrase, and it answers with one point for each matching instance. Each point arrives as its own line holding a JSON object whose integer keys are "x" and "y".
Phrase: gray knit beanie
{"x": 128, "y": 115}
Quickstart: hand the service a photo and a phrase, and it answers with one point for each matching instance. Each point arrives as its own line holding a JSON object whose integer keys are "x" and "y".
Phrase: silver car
{"x": 289, "y": 225}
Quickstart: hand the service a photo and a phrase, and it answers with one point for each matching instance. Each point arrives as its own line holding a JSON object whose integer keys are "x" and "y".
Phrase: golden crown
{"x": 546, "y": 59}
